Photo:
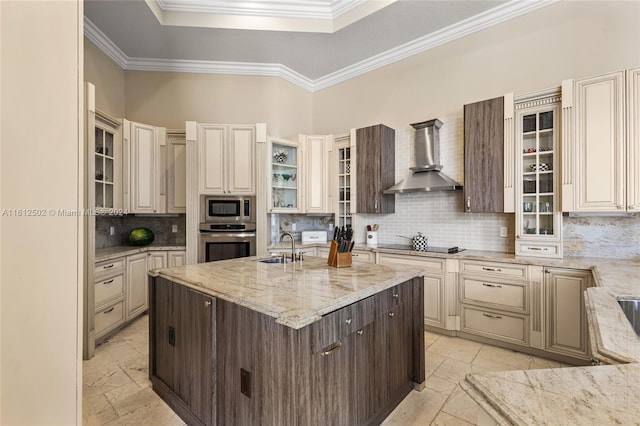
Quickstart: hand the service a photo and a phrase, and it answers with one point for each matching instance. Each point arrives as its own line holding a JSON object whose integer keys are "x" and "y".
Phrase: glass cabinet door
{"x": 344, "y": 186}
{"x": 285, "y": 176}
{"x": 104, "y": 157}
{"x": 538, "y": 196}
{"x": 538, "y": 219}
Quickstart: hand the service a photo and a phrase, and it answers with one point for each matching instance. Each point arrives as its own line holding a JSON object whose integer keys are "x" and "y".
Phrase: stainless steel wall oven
{"x": 227, "y": 228}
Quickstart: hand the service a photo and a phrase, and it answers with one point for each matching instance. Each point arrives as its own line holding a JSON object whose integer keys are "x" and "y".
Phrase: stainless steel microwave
{"x": 227, "y": 209}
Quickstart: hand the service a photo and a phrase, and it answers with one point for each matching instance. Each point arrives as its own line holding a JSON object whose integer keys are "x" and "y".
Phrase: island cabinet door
{"x": 371, "y": 369}
{"x": 194, "y": 341}
{"x": 400, "y": 348}
{"x": 161, "y": 324}
{"x": 331, "y": 384}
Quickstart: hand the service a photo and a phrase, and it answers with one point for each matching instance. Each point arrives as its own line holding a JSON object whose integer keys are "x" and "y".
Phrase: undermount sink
{"x": 631, "y": 308}
{"x": 278, "y": 259}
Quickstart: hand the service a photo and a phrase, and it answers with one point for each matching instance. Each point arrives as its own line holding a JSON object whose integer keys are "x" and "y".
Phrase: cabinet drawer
{"x": 495, "y": 325}
{"x": 109, "y": 266}
{"x": 332, "y": 328}
{"x": 363, "y": 256}
{"x": 108, "y": 288}
{"x": 538, "y": 249}
{"x": 109, "y": 318}
{"x": 501, "y": 294}
{"x": 507, "y": 270}
{"x": 425, "y": 263}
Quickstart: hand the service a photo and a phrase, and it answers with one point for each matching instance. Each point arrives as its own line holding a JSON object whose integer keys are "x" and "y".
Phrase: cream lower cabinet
{"x": 109, "y": 296}
{"x": 440, "y": 295}
{"x": 495, "y": 301}
{"x": 158, "y": 259}
{"x": 566, "y": 320}
{"x": 137, "y": 285}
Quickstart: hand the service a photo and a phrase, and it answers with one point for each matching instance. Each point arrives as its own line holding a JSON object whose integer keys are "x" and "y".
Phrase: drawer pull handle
{"x": 492, "y": 285}
{"x": 534, "y": 248}
{"x": 347, "y": 321}
{"x": 333, "y": 350}
{"x": 108, "y": 266}
{"x": 491, "y": 269}
{"x": 492, "y": 316}
{"x": 108, "y": 281}
{"x": 392, "y": 314}
{"x": 108, "y": 311}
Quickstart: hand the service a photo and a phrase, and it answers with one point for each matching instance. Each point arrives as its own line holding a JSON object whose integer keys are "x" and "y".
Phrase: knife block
{"x": 338, "y": 260}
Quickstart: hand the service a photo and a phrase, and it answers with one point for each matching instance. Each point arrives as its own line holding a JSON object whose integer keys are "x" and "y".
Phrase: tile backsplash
{"x": 160, "y": 225}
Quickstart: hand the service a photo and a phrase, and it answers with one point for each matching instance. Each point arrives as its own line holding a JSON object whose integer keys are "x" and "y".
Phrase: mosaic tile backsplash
{"x": 160, "y": 225}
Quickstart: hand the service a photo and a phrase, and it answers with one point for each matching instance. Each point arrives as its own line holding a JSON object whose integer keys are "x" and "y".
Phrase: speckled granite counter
{"x": 110, "y": 253}
{"x": 295, "y": 294}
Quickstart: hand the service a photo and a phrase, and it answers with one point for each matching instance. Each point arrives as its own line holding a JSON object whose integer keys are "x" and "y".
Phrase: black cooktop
{"x": 430, "y": 249}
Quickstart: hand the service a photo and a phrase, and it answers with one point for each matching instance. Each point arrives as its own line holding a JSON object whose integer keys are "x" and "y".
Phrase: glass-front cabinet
{"x": 285, "y": 188}
{"x": 538, "y": 218}
{"x": 105, "y": 162}
{"x": 344, "y": 153}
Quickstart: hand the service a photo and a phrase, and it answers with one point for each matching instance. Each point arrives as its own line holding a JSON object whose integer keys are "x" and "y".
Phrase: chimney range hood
{"x": 426, "y": 175}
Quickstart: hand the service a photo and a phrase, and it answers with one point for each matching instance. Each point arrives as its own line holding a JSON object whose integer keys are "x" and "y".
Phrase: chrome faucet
{"x": 293, "y": 244}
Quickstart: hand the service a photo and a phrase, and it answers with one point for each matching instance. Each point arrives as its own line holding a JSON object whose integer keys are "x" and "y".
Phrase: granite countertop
{"x": 109, "y": 253}
{"x": 294, "y": 294}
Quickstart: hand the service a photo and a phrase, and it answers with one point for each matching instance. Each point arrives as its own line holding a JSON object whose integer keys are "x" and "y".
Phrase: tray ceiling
{"x": 312, "y": 43}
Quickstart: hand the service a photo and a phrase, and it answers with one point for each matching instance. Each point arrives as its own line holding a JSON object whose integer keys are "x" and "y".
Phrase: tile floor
{"x": 116, "y": 388}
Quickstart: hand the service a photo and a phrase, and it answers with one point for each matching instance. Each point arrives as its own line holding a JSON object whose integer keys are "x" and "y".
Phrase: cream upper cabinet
{"x": 317, "y": 182}
{"x": 227, "y": 159}
{"x": 343, "y": 185}
{"x": 144, "y": 172}
{"x": 633, "y": 139}
{"x": 176, "y": 173}
{"x": 594, "y": 169}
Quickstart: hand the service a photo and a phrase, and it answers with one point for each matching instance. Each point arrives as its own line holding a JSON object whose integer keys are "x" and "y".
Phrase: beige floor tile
{"x": 157, "y": 413}
{"x": 452, "y": 370}
{"x": 429, "y": 338}
{"x": 537, "y": 363}
{"x": 460, "y": 405}
{"x": 432, "y": 362}
{"x": 458, "y": 349}
{"x": 131, "y": 397}
{"x": 497, "y": 359}
{"x": 440, "y": 385}
{"x": 444, "y": 419}
{"x": 417, "y": 409}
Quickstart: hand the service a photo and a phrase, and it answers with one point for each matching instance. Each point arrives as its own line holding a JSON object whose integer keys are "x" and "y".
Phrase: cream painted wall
{"x": 40, "y": 254}
{"x": 107, "y": 77}
{"x": 536, "y": 51}
{"x": 169, "y": 99}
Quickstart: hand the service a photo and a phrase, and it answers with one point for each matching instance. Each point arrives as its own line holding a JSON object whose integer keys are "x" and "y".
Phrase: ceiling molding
{"x": 479, "y": 22}
{"x": 321, "y": 16}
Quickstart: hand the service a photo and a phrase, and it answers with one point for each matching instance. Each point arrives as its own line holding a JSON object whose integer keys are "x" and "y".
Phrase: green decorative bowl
{"x": 141, "y": 236}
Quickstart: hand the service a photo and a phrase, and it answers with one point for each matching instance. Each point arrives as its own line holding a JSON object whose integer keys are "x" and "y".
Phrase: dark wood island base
{"x": 216, "y": 362}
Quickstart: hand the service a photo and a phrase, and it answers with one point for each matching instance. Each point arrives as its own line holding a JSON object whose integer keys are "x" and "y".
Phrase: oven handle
{"x": 215, "y": 235}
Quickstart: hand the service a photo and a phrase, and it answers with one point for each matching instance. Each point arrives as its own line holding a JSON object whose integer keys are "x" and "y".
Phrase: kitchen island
{"x": 245, "y": 342}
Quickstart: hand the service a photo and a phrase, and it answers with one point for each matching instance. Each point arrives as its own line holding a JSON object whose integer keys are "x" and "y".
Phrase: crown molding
{"x": 476, "y": 23}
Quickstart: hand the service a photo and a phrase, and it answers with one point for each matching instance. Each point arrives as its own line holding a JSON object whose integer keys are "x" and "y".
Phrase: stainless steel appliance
{"x": 227, "y": 228}
{"x": 227, "y": 209}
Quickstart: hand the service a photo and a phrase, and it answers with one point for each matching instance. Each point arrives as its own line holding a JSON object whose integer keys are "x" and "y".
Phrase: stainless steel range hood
{"x": 426, "y": 175}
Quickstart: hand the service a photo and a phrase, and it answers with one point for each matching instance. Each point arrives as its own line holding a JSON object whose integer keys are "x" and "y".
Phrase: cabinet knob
{"x": 396, "y": 295}
{"x": 348, "y": 321}
{"x": 207, "y": 303}
{"x": 360, "y": 332}
{"x": 392, "y": 314}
